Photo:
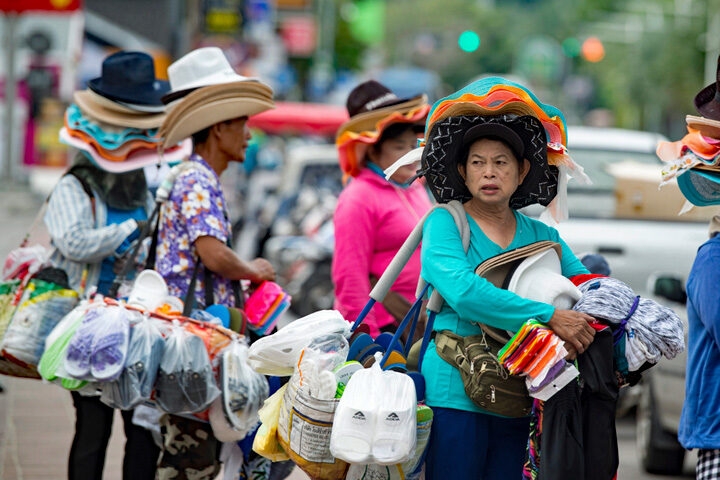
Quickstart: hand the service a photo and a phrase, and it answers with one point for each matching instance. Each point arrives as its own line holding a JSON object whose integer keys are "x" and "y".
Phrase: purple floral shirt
{"x": 196, "y": 208}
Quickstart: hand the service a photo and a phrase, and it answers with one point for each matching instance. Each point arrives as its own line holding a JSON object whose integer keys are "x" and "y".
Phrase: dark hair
{"x": 465, "y": 152}
{"x": 394, "y": 131}
{"x": 200, "y": 137}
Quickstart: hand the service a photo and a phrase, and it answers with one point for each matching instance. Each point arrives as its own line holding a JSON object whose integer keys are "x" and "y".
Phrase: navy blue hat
{"x": 129, "y": 78}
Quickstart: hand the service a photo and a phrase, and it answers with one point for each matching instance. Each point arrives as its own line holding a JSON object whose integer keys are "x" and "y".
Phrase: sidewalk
{"x": 36, "y": 427}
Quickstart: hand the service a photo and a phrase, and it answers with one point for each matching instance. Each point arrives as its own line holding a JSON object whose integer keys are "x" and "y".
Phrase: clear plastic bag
{"x": 137, "y": 378}
{"x": 244, "y": 391}
{"x": 98, "y": 349}
{"x": 23, "y": 261}
{"x": 185, "y": 382}
{"x": 277, "y": 354}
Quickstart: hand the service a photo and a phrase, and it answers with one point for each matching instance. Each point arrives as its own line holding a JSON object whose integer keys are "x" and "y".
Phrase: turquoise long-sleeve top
{"x": 470, "y": 298}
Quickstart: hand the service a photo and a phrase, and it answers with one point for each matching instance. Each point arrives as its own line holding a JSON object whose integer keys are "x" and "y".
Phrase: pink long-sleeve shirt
{"x": 372, "y": 220}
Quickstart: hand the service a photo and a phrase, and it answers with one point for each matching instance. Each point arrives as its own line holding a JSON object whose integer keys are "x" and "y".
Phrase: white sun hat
{"x": 539, "y": 278}
{"x": 200, "y": 68}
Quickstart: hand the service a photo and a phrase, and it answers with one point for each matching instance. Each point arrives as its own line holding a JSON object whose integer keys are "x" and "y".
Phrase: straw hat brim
{"x": 207, "y": 106}
{"x": 118, "y": 115}
{"x": 367, "y": 121}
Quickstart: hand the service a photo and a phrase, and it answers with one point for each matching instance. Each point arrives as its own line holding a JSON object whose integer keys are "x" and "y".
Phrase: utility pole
{"x": 10, "y": 22}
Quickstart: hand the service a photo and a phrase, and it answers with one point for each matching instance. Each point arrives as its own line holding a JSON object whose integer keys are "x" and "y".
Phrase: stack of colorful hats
{"x": 115, "y": 121}
{"x": 495, "y": 97}
{"x": 695, "y": 159}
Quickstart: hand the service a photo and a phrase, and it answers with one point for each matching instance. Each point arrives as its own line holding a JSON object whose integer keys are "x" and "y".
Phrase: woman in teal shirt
{"x": 494, "y": 165}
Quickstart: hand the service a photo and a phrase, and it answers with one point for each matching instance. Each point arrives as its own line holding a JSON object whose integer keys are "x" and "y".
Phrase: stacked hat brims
{"x": 206, "y": 106}
{"x": 694, "y": 161}
{"x": 114, "y": 122}
{"x": 499, "y": 96}
{"x": 116, "y": 138}
{"x": 541, "y": 127}
{"x": 355, "y": 135}
{"x": 368, "y": 121}
{"x": 372, "y": 107}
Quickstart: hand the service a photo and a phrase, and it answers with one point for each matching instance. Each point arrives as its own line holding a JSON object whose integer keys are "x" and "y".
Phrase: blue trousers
{"x": 475, "y": 446}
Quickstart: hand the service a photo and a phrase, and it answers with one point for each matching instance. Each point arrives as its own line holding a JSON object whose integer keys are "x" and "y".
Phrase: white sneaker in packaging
{"x": 395, "y": 424}
{"x": 354, "y": 422}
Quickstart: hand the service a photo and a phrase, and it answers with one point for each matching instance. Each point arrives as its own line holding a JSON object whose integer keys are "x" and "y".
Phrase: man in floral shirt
{"x": 212, "y": 105}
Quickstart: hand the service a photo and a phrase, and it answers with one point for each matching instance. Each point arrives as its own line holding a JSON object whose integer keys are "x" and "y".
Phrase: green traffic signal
{"x": 468, "y": 41}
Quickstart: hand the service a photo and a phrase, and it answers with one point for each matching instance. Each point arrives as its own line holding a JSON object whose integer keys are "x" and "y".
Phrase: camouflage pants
{"x": 190, "y": 450}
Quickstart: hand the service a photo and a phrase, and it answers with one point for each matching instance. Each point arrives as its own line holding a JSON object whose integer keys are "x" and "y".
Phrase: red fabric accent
{"x": 584, "y": 277}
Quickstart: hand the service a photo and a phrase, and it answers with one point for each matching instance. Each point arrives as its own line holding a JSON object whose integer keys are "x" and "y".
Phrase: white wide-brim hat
{"x": 200, "y": 68}
{"x": 539, "y": 278}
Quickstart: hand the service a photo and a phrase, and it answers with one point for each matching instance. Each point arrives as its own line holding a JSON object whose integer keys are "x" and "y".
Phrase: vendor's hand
{"x": 142, "y": 224}
{"x": 262, "y": 270}
{"x": 573, "y": 327}
{"x": 121, "y": 262}
{"x": 571, "y": 352}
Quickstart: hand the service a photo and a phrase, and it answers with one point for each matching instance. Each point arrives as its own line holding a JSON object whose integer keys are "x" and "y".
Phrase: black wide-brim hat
{"x": 444, "y": 149}
{"x": 129, "y": 77}
{"x": 707, "y": 101}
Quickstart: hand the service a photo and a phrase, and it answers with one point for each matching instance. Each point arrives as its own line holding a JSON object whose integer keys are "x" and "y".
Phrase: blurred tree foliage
{"x": 652, "y": 69}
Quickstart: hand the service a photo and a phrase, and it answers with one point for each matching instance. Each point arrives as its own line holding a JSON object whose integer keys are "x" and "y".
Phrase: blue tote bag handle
{"x": 378, "y": 293}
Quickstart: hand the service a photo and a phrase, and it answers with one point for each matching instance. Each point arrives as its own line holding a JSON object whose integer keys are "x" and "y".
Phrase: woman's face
{"x": 392, "y": 149}
{"x": 492, "y": 173}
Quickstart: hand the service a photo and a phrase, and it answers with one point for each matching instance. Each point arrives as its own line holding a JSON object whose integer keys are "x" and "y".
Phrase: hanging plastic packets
{"x": 235, "y": 413}
{"x": 537, "y": 353}
{"x": 266, "y": 441}
{"x": 51, "y": 365}
{"x": 135, "y": 383}
{"x": 185, "y": 382}
{"x": 99, "y": 347}
{"x": 375, "y": 422}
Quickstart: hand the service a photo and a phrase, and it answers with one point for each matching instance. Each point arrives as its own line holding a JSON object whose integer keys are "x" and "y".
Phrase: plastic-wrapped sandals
{"x": 136, "y": 380}
{"x": 244, "y": 391}
{"x": 185, "y": 382}
{"x": 99, "y": 346}
{"x": 277, "y": 354}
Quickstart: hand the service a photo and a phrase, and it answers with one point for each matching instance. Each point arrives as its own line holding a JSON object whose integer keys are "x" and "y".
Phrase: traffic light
{"x": 593, "y": 50}
{"x": 468, "y": 41}
{"x": 571, "y": 47}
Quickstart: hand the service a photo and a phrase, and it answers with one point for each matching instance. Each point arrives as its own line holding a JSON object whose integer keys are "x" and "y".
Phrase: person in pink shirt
{"x": 374, "y": 216}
